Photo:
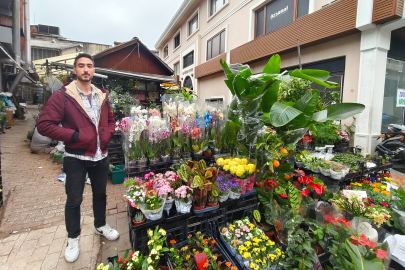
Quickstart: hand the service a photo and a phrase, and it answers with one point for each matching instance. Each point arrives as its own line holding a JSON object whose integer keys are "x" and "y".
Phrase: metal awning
{"x": 122, "y": 73}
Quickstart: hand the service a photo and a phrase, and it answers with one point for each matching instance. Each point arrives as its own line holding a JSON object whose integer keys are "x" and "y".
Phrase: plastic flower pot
{"x": 154, "y": 214}
{"x": 182, "y": 207}
{"x": 200, "y": 260}
{"x": 199, "y": 198}
{"x": 212, "y": 200}
{"x": 336, "y": 175}
{"x": 166, "y": 158}
{"x": 139, "y": 223}
{"x": 168, "y": 205}
{"x": 223, "y": 198}
{"x": 207, "y": 154}
{"x": 325, "y": 172}
{"x": 154, "y": 161}
{"x": 234, "y": 195}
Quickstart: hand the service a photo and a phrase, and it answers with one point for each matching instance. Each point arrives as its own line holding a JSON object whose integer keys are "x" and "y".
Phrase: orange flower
{"x": 172, "y": 242}
{"x": 197, "y": 252}
{"x": 228, "y": 264}
{"x": 206, "y": 265}
{"x": 213, "y": 242}
{"x": 233, "y": 268}
{"x": 189, "y": 236}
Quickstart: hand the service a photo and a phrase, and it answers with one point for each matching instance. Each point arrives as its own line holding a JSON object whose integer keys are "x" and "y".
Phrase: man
{"x": 87, "y": 126}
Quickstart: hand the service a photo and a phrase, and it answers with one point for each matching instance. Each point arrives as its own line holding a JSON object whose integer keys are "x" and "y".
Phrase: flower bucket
{"x": 154, "y": 214}
{"x": 168, "y": 205}
{"x": 251, "y": 183}
{"x": 223, "y": 198}
{"x": 233, "y": 195}
{"x": 242, "y": 183}
{"x": 316, "y": 170}
{"x": 182, "y": 207}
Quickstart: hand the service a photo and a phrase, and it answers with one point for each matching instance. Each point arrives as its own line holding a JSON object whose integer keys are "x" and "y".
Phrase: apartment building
{"x": 358, "y": 41}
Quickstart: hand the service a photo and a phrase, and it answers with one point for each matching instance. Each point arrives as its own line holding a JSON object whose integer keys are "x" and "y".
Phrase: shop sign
{"x": 400, "y": 97}
{"x": 279, "y": 13}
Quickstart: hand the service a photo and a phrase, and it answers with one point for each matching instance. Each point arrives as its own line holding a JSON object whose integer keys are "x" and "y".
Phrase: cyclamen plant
{"x": 167, "y": 192}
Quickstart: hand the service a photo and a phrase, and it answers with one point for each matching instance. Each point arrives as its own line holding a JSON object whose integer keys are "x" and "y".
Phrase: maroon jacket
{"x": 78, "y": 131}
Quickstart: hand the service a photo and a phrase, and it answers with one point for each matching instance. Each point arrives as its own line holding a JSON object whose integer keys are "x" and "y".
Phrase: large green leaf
{"x": 270, "y": 97}
{"x": 338, "y": 111}
{"x": 357, "y": 258}
{"x": 273, "y": 66}
{"x": 229, "y": 74}
{"x": 245, "y": 72}
{"x": 318, "y": 76}
{"x": 229, "y": 83}
{"x": 307, "y": 105}
{"x": 241, "y": 86}
{"x": 281, "y": 114}
{"x": 265, "y": 120}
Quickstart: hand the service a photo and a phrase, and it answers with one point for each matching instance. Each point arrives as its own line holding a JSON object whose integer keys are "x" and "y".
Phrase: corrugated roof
{"x": 122, "y": 73}
{"x": 54, "y": 44}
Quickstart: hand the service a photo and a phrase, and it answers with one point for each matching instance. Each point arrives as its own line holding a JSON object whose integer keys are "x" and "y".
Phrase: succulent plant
{"x": 138, "y": 217}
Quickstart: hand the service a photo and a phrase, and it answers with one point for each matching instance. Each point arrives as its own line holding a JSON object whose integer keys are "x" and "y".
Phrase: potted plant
{"x": 212, "y": 196}
{"x": 138, "y": 219}
{"x": 324, "y": 167}
{"x": 135, "y": 194}
{"x": 197, "y": 142}
{"x": 234, "y": 190}
{"x": 153, "y": 207}
{"x": 167, "y": 192}
{"x": 184, "y": 199}
{"x": 166, "y": 146}
{"x": 177, "y": 145}
{"x": 184, "y": 137}
{"x": 223, "y": 184}
{"x": 202, "y": 183}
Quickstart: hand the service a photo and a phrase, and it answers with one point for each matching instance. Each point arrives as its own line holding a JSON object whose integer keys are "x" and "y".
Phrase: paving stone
{"x": 112, "y": 221}
{"x": 122, "y": 207}
{"x": 122, "y": 225}
{"x": 27, "y": 248}
{"x": 12, "y": 256}
{"x": 60, "y": 232}
{"x": 50, "y": 230}
{"x": 123, "y": 242}
{"x": 87, "y": 229}
{"x": 5, "y": 248}
{"x": 87, "y": 220}
{"x": 45, "y": 239}
{"x": 50, "y": 261}
{"x": 57, "y": 245}
{"x": 113, "y": 211}
{"x": 86, "y": 243}
{"x": 3, "y": 259}
{"x": 35, "y": 265}
{"x": 83, "y": 261}
{"x": 64, "y": 265}
{"x": 11, "y": 238}
{"x": 34, "y": 235}
{"x": 20, "y": 241}
{"x": 21, "y": 263}
{"x": 39, "y": 253}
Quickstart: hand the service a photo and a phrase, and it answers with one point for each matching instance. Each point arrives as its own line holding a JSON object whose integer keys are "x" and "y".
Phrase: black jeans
{"x": 76, "y": 170}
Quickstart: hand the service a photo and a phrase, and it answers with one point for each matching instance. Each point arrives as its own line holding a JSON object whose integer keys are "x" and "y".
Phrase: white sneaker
{"x": 106, "y": 231}
{"x": 72, "y": 250}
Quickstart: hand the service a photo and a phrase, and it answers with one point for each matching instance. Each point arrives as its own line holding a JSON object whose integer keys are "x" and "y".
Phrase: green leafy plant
{"x": 138, "y": 217}
{"x": 325, "y": 133}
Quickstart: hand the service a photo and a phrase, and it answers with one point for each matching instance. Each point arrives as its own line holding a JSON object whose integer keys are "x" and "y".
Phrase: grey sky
{"x": 106, "y": 21}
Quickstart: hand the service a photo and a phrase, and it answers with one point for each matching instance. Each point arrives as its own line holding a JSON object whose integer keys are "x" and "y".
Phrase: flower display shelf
{"x": 249, "y": 193}
{"x": 208, "y": 230}
{"x": 205, "y": 211}
{"x": 173, "y": 215}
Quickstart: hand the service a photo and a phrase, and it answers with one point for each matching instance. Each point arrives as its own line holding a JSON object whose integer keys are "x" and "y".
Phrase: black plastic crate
{"x": 208, "y": 228}
{"x": 138, "y": 235}
{"x": 239, "y": 209}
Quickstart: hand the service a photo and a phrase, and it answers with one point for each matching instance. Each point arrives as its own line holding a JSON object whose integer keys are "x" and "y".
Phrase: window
{"x": 216, "y": 45}
{"x": 193, "y": 25}
{"x": 188, "y": 83}
{"x": 43, "y": 53}
{"x": 165, "y": 51}
{"x": 216, "y": 5}
{"x": 188, "y": 59}
{"x": 276, "y": 15}
{"x": 176, "y": 41}
{"x": 176, "y": 68}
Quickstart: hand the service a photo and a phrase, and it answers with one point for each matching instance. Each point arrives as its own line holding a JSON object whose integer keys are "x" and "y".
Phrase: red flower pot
{"x": 138, "y": 223}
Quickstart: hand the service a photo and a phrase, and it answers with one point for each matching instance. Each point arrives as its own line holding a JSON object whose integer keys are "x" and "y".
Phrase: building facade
{"x": 357, "y": 41}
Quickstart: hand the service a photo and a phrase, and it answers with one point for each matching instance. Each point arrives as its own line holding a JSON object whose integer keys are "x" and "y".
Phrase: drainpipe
{"x": 16, "y": 32}
{"x": 27, "y": 28}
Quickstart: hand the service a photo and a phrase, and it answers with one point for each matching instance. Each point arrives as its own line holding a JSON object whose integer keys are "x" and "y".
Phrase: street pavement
{"x": 32, "y": 230}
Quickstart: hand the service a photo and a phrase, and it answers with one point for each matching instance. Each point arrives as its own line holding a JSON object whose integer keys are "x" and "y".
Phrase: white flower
{"x": 149, "y": 260}
{"x": 150, "y": 267}
{"x": 153, "y": 252}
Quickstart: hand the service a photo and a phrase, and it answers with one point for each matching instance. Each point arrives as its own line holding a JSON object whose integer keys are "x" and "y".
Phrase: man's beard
{"x": 80, "y": 78}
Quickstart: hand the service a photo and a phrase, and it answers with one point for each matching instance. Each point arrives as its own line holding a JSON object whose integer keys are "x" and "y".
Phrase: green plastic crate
{"x": 118, "y": 175}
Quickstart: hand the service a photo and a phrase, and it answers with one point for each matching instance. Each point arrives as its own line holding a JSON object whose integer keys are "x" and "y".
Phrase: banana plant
{"x": 257, "y": 95}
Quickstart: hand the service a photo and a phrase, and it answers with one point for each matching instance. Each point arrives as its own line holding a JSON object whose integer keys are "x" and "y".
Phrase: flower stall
{"x": 210, "y": 187}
